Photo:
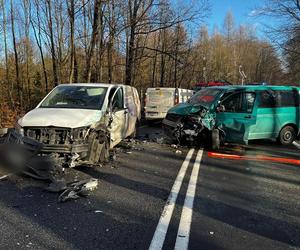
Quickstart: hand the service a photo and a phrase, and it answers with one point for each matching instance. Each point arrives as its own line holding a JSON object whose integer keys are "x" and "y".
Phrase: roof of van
{"x": 92, "y": 84}
{"x": 164, "y": 88}
{"x": 255, "y": 87}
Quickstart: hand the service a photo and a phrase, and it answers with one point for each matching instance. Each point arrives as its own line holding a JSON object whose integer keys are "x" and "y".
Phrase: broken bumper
{"x": 56, "y": 148}
{"x": 171, "y": 125}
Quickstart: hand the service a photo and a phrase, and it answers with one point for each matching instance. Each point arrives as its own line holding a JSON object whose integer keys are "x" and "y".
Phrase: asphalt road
{"x": 249, "y": 202}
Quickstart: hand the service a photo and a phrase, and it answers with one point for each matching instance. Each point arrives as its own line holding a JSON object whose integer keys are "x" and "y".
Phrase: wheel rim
{"x": 287, "y": 136}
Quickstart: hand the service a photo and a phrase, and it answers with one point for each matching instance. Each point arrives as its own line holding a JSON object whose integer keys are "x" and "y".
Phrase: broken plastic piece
{"x": 77, "y": 189}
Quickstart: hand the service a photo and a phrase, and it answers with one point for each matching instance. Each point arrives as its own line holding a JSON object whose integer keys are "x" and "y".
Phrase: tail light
{"x": 176, "y": 100}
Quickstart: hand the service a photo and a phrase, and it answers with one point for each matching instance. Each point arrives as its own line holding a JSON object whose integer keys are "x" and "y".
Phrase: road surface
{"x": 152, "y": 197}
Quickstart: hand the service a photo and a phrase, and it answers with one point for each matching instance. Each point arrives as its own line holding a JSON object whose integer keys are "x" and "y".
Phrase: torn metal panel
{"x": 190, "y": 123}
{"x": 117, "y": 127}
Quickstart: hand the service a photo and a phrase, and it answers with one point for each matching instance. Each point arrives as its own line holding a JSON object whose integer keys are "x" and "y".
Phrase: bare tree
{"x": 71, "y": 12}
{"x": 18, "y": 81}
{"x": 38, "y": 38}
{"x": 48, "y": 7}
{"x": 91, "y": 48}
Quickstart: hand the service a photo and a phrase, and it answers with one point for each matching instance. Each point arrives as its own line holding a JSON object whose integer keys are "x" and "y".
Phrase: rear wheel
{"x": 287, "y": 135}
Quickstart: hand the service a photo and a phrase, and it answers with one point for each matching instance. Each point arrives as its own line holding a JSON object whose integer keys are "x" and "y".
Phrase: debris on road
{"x": 98, "y": 211}
{"x": 77, "y": 189}
{"x": 4, "y": 176}
{"x": 57, "y": 186}
{"x": 178, "y": 152}
{"x": 20, "y": 155}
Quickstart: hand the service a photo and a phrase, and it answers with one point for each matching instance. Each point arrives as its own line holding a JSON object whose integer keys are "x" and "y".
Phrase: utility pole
{"x": 204, "y": 69}
{"x": 242, "y": 73}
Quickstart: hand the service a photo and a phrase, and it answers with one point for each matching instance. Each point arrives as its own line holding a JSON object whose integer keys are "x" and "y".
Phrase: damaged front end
{"x": 70, "y": 146}
{"x": 192, "y": 125}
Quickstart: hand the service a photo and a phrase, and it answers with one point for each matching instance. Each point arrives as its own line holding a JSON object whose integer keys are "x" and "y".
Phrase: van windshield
{"x": 205, "y": 97}
{"x": 75, "y": 97}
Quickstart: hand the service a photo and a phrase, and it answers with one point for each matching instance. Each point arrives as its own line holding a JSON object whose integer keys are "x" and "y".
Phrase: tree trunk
{"x": 71, "y": 12}
{"x": 88, "y": 71}
{"x": 133, "y": 11}
{"x": 111, "y": 41}
{"x": 19, "y": 87}
{"x": 11, "y": 87}
{"x": 38, "y": 39}
{"x": 52, "y": 45}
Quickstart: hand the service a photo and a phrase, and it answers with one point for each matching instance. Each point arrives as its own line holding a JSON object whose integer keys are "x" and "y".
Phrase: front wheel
{"x": 287, "y": 135}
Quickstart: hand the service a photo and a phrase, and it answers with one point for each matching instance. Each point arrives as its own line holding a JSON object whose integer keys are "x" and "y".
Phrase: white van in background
{"x": 159, "y": 100}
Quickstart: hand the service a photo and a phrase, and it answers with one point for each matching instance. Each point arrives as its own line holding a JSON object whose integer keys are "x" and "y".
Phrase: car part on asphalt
{"x": 77, "y": 189}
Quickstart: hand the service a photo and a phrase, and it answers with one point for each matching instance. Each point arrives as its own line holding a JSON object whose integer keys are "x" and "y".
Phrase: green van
{"x": 236, "y": 114}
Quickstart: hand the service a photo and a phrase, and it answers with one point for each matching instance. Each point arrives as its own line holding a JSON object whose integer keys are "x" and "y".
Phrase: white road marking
{"x": 183, "y": 234}
{"x": 296, "y": 144}
{"x": 163, "y": 224}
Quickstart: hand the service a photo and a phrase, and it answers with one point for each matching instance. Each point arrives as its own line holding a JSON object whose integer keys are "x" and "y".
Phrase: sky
{"x": 242, "y": 11}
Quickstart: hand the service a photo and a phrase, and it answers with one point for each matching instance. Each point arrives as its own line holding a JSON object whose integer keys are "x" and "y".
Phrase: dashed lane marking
{"x": 164, "y": 221}
{"x": 183, "y": 235}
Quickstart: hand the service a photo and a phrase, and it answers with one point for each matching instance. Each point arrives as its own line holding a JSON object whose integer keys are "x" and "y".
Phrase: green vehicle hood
{"x": 184, "y": 109}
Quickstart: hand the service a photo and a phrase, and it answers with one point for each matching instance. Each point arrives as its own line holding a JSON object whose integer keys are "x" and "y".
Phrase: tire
{"x": 287, "y": 135}
{"x": 215, "y": 139}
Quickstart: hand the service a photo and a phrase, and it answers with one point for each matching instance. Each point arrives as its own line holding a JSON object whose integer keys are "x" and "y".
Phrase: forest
{"x": 144, "y": 43}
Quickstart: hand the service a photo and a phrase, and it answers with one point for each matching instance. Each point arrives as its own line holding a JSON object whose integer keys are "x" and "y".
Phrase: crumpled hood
{"x": 60, "y": 117}
{"x": 184, "y": 109}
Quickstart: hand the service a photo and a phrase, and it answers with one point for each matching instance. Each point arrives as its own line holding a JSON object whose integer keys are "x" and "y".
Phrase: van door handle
{"x": 248, "y": 116}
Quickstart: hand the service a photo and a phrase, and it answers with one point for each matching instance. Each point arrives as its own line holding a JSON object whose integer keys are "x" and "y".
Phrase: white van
{"x": 159, "y": 100}
{"x": 79, "y": 123}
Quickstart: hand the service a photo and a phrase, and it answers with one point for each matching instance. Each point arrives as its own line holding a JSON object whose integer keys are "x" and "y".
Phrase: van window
{"x": 75, "y": 97}
{"x": 118, "y": 101}
{"x": 285, "y": 98}
{"x": 267, "y": 99}
{"x": 242, "y": 102}
{"x": 282, "y": 98}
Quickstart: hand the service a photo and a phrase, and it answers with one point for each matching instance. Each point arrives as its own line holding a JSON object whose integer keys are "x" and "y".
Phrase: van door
{"x": 132, "y": 111}
{"x": 118, "y": 116}
{"x": 237, "y": 116}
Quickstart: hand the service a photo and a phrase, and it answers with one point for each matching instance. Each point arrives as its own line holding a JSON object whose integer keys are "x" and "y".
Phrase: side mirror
{"x": 221, "y": 108}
